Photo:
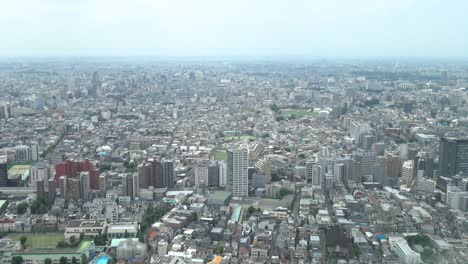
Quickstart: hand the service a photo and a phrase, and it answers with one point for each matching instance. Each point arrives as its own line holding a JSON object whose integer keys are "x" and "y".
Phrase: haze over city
{"x": 333, "y": 28}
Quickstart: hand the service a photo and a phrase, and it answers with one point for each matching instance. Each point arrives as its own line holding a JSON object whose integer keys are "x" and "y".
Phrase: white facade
{"x": 426, "y": 185}
{"x": 39, "y": 172}
{"x": 201, "y": 175}
{"x": 403, "y": 250}
{"x": 222, "y": 173}
{"x": 237, "y": 167}
{"x": 407, "y": 172}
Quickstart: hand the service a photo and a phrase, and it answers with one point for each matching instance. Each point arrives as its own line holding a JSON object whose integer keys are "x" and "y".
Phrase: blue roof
{"x": 104, "y": 260}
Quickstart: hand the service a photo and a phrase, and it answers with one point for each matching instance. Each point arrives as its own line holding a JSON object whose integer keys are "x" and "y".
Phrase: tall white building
{"x": 201, "y": 174}
{"x": 222, "y": 173}
{"x": 85, "y": 187}
{"x": 38, "y": 172}
{"x": 237, "y": 170}
{"x": 407, "y": 172}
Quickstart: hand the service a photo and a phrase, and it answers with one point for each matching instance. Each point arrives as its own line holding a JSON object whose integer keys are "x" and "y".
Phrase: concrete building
{"x": 237, "y": 170}
{"x": 103, "y": 185}
{"x": 453, "y": 156}
{"x": 89, "y": 228}
{"x": 73, "y": 189}
{"x": 201, "y": 174}
{"x": 222, "y": 173}
{"x": 3, "y": 171}
{"x": 51, "y": 191}
{"x": 403, "y": 250}
{"x": 122, "y": 230}
{"x": 63, "y": 187}
{"x": 407, "y": 172}
{"x": 364, "y": 162}
{"x": 84, "y": 185}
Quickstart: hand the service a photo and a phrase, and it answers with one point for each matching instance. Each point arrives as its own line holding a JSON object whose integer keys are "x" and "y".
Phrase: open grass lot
{"x": 239, "y": 137}
{"x": 39, "y": 240}
{"x": 220, "y": 155}
{"x": 299, "y": 113}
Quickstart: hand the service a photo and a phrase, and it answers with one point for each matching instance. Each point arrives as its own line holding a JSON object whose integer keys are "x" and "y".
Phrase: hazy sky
{"x": 317, "y": 28}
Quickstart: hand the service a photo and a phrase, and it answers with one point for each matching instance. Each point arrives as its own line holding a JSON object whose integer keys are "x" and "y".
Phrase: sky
{"x": 275, "y": 28}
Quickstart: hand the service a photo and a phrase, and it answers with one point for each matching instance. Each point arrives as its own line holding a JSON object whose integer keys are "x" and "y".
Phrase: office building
{"x": 3, "y": 171}
{"x": 339, "y": 172}
{"x": 167, "y": 167}
{"x": 364, "y": 162}
{"x": 453, "y": 156}
{"x": 135, "y": 186}
{"x": 201, "y": 174}
{"x": 310, "y": 164}
{"x": 368, "y": 141}
{"x": 63, "y": 187}
{"x": 51, "y": 191}
{"x": 84, "y": 185}
{"x": 213, "y": 175}
{"x": 237, "y": 170}
{"x": 102, "y": 185}
{"x": 40, "y": 192}
{"x": 23, "y": 153}
{"x": 317, "y": 172}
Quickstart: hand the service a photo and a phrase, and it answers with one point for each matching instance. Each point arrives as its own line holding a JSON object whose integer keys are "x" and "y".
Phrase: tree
{"x": 63, "y": 260}
{"x": 275, "y": 108}
{"x": 219, "y": 249}
{"x": 84, "y": 259}
{"x": 39, "y": 206}
{"x": 72, "y": 240}
{"x": 23, "y": 240}
{"x": 22, "y": 208}
{"x": 126, "y": 234}
{"x": 17, "y": 260}
{"x": 283, "y": 192}
{"x": 194, "y": 217}
{"x": 274, "y": 177}
{"x": 74, "y": 260}
{"x": 250, "y": 211}
{"x": 48, "y": 261}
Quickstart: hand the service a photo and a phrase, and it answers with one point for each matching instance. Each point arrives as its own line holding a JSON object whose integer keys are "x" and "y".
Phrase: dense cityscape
{"x": 127, "y": 161}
